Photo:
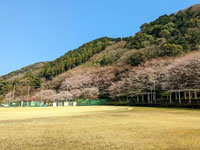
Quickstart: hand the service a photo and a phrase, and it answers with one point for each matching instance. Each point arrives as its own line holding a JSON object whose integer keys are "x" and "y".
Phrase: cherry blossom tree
{"x": 170, "y": 73}
{"x": 99, "y": 78}
{"x": 121, "y": 81}
{"x": 90, "y": 93}
{"x": 9, "y": 97}
{"x": 63, "y": 95}
{"x": 46, "y": 95}
{"x": 76, "y": 93}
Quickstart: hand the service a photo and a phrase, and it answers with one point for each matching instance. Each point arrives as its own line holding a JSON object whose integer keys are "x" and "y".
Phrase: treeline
{"x": 170, "y": 35}
{"x": 5, "y": 87}
{"x": 76, "y": 57}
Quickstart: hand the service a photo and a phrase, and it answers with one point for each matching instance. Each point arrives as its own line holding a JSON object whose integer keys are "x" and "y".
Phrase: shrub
{"x": 137, "y": 58}
{"x": 171, "y": 50}
{"x": 142, "y": 40}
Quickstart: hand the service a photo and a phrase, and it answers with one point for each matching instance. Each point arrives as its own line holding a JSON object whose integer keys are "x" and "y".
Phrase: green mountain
{"x": 18, "y": 74}
{"x": 163, "y": 42}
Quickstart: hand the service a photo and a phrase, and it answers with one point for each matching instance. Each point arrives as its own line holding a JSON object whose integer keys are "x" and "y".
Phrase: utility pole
{"x": 28, "y": 95}
{"x": 14, "y": 93}
{"x": 119, "y": 94}
{"x": 67, "y": 83}
{"x": 154, "y": 92}
{"x": 41, "y": 95}
{"x": 151, "y": 99}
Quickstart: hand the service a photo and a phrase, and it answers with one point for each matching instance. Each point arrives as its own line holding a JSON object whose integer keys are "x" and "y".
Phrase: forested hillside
{"x": 35, "y": 75}
{"x": 125, "y": 81}
{"x": 130, "y": 64}
{"x": 76, "y": 57}
{"x": 169, "y": 35}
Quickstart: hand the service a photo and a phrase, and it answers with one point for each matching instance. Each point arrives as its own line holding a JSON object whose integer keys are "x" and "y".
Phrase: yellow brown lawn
{"x": 98, "y": 128}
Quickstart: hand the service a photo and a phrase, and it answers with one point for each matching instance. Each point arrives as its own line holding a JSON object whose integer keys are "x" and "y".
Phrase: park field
{"x": 99, "y": 128}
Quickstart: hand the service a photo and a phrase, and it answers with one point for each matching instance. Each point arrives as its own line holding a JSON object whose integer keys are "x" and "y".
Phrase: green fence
{"x": 13, "y": 104}
{"x": 35, "y": 104}
{"x": 31, "y": 104}
{"x": 82, "y": 102}
{"x": 24, "y": 104}
{"x": 10, "y": 104}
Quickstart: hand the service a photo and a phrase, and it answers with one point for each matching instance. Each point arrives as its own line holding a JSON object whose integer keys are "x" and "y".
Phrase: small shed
{"x": 58, "y": 103}
{"x": 31, "y": 102}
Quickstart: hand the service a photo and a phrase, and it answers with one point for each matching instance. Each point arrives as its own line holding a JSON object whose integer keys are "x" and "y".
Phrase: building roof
{"x": 30, "y": 99}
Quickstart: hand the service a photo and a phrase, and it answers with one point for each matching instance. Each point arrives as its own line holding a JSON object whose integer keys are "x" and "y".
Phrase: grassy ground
{"x": 98, "y": 128}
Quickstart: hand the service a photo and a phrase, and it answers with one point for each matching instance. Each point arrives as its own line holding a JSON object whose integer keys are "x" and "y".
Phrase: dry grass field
{"x": 98, "y": 128}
